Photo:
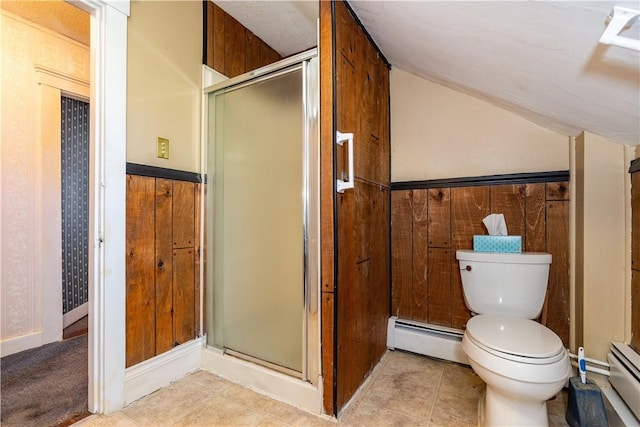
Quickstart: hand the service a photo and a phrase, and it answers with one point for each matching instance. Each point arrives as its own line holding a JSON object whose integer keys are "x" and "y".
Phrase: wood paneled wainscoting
{"x": 430, "y": 220}
{"x": 162, "y": 260}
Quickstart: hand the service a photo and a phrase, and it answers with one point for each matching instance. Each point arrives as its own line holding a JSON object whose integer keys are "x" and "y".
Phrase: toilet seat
{"x": 515, "y": 339}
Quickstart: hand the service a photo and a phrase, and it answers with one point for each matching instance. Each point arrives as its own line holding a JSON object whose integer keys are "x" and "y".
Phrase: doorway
{"x": 74, "y": 147}
{"x": 108, "y": 67}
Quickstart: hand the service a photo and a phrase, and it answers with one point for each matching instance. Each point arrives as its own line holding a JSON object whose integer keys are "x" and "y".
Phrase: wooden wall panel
{"x": 385, "y": 130}
{"x": 534, "y": 238}
{"x": 183, "y": 295}
{"x": 235, "y": 44}
{"x": 231, "y": 48}
{"x": 346, "y": 32}
{"x": 197, "y": 266}
{"x": 362, "y": 284}
{"x": 557, "y": 309}
{"x": 327, "y": 179}
{"x": 162, "y": 280}
{"x": 557, "y": 191}
{"x": 164, "y": 265}
{"x": 364, "y": 194}
{"x": 469, "y": 205}
{"x": 210, "y": 7}
{"x": 402, "y": 254}
{"x": 328, "y": 365}
{"x": 252, "y": 54}
{"x": 420, "y": 263}
{"x": 183, "y": 214}
{"x": 509, "y": 200}
{"x": 364, "y": 319}
{"x": 380, "y": 268}
{"x": 538, "y": 212}
{"x": 140, "y": 291}
{"x": 216, "y": 38}
{"x": 440, "y": 298}
{"x": 348, "y": 297}
{"x": 440, "y": 218}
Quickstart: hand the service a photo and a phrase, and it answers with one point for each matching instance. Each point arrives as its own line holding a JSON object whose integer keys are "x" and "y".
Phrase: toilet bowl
{"x": 522, "y": 362}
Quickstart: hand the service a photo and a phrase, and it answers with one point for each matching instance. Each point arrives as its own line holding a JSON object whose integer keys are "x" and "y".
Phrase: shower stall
{"x": 262, "y": 222}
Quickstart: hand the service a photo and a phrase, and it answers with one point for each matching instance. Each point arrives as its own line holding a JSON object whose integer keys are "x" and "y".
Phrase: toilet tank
{"x": 504, "y": 284}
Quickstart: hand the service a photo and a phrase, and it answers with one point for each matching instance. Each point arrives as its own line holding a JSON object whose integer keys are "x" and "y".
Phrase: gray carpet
{"x": 45, "y": 386}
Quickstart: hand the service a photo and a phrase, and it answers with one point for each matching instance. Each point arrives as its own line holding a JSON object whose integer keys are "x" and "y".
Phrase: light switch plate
{"x": 163, "y": 148}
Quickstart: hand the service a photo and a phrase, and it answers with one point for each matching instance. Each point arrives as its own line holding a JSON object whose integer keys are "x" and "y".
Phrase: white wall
{"x": 437, "y": 132}
{"x": 164, "y": 82}
{"x": 37, "y": 65}
{"x": 602, "y": 235}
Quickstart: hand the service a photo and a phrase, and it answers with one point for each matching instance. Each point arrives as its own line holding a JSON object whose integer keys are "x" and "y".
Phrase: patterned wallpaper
{"x": 75, "y": 203}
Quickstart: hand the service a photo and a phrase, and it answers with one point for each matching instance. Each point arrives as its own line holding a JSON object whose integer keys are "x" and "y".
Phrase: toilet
{"x": 522, "y": 362}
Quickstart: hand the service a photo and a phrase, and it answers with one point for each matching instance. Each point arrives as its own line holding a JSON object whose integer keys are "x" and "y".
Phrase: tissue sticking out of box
{"x": 495, "y": 225}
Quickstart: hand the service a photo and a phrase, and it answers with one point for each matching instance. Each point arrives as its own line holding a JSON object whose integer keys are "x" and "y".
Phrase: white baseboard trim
{"x": 429, "y": 340}
{"x": 160, "y": 371}
{"x": 74, "y": 315}
{"x": 618, "y": 409}
{"x": 279, "y": 386}
{"x": 21, "y": 343}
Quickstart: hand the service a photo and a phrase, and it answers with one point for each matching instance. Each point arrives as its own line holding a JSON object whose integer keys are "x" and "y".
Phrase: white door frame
{"x": 107, "y": 202}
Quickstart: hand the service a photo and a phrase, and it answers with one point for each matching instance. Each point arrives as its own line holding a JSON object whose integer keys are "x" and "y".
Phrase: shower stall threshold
{"x": 264, "y": 363}
{"x": 277, "y": 385}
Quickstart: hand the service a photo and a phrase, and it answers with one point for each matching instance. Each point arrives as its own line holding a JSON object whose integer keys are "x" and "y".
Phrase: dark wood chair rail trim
{"x": 158, "y": 172}
{"x": 475, "y": 181}
{"x": 635, "y": 166}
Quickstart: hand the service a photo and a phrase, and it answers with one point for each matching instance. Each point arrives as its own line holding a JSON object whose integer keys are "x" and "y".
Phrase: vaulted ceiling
{"x": 538, "y": 59}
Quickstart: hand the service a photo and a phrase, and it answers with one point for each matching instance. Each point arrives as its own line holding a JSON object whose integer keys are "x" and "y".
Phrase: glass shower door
{"x": 258, "y": 150}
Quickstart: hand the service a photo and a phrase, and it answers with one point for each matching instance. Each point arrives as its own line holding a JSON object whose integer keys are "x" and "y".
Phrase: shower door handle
{"x": 349, "y": 182}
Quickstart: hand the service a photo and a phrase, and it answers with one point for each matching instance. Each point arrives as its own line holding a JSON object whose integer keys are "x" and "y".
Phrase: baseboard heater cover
{"x": 429, "y": 340}
{"x": 625, "y": 375}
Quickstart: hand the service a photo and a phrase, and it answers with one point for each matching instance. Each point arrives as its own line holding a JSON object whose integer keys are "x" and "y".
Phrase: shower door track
{"x": 272, "y": 366}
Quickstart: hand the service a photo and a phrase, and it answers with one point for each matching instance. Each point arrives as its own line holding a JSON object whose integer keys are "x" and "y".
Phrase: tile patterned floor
{"x": 404, "y": 390}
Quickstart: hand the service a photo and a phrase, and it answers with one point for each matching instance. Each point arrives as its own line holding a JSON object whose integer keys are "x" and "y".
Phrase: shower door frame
{"x": 308, "y": 63}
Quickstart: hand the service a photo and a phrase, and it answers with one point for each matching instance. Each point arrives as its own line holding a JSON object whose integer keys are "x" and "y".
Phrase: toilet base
{"x": 498, "y": 409}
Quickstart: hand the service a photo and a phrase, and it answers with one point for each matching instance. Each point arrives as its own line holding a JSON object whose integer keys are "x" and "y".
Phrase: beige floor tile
{"x": 272, "y": 422}
{"x": 293, "y": 416}
{"x": 210, "y": 381}
{"x": 117, "y": 419}
{"x": 251, "y": 399}
{"x": 412, "y": 367}
{"x": 399, "y": 394}
{"x": 405, "y": 390}
{"x": 453, "y": 408}
{"x": 168, "y": 405}
{"x": 366, "y": 414}
{"x": 461, "y": 379}
{"x": 557, "y": 409}
{"x": 221, "y": 411}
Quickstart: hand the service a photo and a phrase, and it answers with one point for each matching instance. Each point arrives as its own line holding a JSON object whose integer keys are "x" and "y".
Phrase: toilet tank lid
{"x": 505, "y": 258}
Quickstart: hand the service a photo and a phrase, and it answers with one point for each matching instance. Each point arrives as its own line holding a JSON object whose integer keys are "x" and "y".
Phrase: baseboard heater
{"x": 429, "y": 340}
{"x": 624, "y": 376}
